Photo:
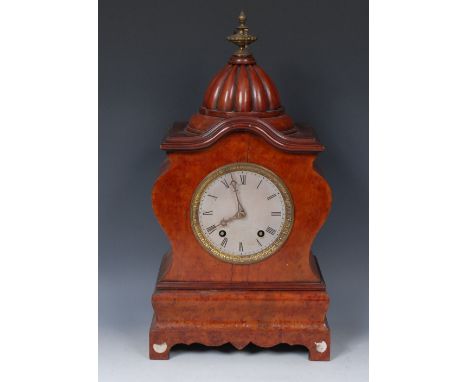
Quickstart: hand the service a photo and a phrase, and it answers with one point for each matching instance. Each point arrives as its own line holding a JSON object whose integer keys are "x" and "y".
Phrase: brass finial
{"x": 241, "y": 37}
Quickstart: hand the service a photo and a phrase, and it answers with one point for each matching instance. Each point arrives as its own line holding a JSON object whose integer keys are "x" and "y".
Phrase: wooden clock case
{"x": 201, "y": 299}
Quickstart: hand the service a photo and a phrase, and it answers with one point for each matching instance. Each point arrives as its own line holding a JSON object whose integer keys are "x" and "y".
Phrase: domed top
{"x": 241, "y": 98}
{"x": 241, "y": 89}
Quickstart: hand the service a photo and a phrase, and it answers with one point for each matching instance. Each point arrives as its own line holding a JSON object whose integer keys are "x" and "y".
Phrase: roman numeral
{"x": 260, "y": 244}
{"x": 211, "y": 213}
{"x": 274, "y": 214}
{"x": 241, "y": 247}
{"x": 271, "y": 196}
{"x": 224, "y": 242}
{"x": 212, "y": 196}
{"x": 270, "y": 230}
{"x": 259, "y": 183}
{"x": 224, "y": 181}
{"x": 211, "y": 229}
{"x": 243, "y": 179}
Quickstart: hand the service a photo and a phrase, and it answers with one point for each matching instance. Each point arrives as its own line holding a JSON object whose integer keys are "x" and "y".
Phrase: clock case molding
{"x": 201, "y": 299}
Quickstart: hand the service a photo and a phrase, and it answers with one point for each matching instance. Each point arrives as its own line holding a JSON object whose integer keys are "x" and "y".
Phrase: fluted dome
{"x": 242, "y": 87}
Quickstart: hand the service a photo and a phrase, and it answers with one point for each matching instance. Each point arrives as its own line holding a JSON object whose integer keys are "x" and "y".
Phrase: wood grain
{"x": 172, "y": 195}
{"x": 199, "y": 298}
{"x": 298, "y": 139}
{"x": 241, "y": 86}
{"x": 214, "y": 318}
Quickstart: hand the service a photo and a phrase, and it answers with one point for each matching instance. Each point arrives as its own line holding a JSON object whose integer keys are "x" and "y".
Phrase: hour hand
{"x": 238, "y": 215}
{"x": 224, "y": 222}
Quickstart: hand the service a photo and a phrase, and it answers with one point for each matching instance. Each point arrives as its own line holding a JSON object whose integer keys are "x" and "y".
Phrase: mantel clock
{"x": 241, "y": 203}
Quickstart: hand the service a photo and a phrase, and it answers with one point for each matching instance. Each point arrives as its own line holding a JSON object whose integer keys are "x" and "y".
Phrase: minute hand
{"x": 240, "y": 209}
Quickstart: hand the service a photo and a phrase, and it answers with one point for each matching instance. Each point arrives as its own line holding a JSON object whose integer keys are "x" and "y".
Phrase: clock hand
{"x": 240, "y": 209}
{"x": 236, "y": 216}
{"x": 240, "y": 214}
{"x": 224, "y": 222}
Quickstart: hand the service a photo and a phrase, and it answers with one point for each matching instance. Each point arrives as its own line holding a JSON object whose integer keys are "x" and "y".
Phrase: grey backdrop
{"x": 155, "y": 60}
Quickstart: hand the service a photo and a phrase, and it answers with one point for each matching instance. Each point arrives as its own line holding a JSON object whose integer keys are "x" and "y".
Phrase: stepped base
{"x": 264, "y": 318}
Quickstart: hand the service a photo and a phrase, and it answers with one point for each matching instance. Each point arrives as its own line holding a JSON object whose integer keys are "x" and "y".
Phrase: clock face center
{"x": 242, "y": 213}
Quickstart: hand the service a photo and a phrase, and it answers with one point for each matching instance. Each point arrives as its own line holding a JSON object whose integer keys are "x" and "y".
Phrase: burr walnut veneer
{"x": 198, "y": 297}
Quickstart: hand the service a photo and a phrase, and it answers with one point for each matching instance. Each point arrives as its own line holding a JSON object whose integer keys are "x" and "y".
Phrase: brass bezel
{"x": 273, "y": 247}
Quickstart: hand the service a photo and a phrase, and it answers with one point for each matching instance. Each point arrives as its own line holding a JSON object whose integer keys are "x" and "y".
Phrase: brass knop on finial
{"x": 241, "y": 37}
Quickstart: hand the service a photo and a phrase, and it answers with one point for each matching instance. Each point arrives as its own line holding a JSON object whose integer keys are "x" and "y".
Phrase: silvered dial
{"x": 242, "y": 213}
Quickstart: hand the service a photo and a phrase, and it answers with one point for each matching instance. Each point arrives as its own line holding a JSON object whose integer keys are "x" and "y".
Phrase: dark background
{"x": 156, "y": 59}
